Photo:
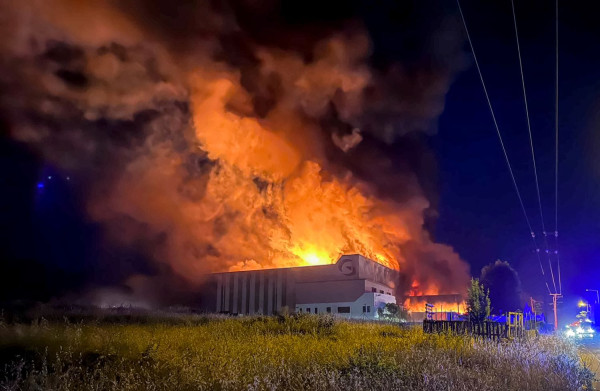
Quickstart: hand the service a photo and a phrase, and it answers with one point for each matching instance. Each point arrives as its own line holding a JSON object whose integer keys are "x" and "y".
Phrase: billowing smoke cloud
{"x": 218, "y": 136}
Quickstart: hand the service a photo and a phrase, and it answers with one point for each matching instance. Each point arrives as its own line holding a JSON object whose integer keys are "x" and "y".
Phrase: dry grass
{"x": 285, "y": 353}
{"x": 591, "y": 359}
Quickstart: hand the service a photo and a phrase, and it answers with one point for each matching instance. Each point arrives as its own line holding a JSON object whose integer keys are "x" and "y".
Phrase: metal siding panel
{"x": 219, "y": 292}
{"x": 279, "y": 290}
{"x": 290, "y": 291}
{"x": 244, "y": 292}
{"x": 226, "y": 284}
{"x": 252, "y": 293}
{"x": 261, "y": 296}
{"x": 234, "y": 308}
{"x": 270, "y": 294}
{"x": 284, "y": 290}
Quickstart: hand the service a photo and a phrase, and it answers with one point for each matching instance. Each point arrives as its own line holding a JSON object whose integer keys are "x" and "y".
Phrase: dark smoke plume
{"x": 211, "y": 136}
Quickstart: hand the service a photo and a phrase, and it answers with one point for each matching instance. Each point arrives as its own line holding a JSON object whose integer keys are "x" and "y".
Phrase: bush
{"x": 478, "y": 302}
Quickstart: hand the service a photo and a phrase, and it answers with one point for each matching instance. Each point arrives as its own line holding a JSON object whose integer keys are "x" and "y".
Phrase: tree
{"x": 504, "y": 286}
{"x": 478, "y": 302}
{"x": 392, "y": 311}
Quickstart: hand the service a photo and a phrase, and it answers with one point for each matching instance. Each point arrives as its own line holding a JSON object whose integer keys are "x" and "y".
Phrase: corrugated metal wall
{"x": 256, "y": 292}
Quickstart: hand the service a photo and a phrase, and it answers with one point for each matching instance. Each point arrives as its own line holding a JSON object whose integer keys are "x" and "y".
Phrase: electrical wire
{"x": 510, "y": 170}
{"x": 556, "y": 161}
{"x": 537, "y": 184}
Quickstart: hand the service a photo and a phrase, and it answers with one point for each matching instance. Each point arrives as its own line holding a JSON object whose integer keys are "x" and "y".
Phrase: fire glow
{"x": 439, "y": 306}
{"x": 234, "y": 167}
{"x": 302, "y": 214}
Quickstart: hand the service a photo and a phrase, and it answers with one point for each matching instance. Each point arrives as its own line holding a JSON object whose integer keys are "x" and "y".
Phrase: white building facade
{"x": 365, "y": 307}
{"x": 353, "y": 287}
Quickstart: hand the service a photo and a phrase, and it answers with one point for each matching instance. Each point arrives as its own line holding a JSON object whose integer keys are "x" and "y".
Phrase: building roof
{"x": 347, "y": 267}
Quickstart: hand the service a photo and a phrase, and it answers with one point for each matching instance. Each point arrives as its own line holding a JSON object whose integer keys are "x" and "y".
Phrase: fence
{"x": 512, "y": 328}
{"x": 491, "y": 330}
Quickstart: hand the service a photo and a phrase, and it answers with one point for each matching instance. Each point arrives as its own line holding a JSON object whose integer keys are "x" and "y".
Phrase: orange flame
{"x": 316, "y": 217}
{"x": 459, "y": 307}
{"x": 236, "y": 187}
{"x": 268, "y": 196}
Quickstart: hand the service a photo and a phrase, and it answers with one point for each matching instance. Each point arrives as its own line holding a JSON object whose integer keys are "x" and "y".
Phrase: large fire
{"x": 234, "y": 168}
{"x": 302, "y": 214}
{"x": 459, "y": 307}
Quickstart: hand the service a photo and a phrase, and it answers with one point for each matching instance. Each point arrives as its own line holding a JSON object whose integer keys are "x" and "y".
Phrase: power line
{"x": 510, "y": 170}
{"x": 556, "y": 160}
{"x": 537, "y": 184}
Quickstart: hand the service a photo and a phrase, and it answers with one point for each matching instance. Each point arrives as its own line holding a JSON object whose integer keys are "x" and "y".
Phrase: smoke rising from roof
{"x": 215, "y": 136}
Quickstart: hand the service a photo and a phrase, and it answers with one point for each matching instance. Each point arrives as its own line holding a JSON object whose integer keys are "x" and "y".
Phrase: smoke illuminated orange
{"x": 302, "y": 214}
{"x": 220, "y": 173}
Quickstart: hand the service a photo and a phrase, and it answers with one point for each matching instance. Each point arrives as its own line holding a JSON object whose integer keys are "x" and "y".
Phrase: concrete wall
{"x": 340, "y": 284}
{"x": 364, "y": 307}
{"x": 329, "y": 291}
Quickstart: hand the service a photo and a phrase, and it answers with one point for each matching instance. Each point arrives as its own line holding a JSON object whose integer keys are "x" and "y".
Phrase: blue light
{"x": 40, "y": 185}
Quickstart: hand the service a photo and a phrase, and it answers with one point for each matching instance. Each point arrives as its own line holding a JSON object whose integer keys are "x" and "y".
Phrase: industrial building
{"x": 353, "y": 287}
{"x": 444, "y": 307}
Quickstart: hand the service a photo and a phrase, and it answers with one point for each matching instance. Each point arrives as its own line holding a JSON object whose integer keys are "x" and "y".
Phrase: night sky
{"x": 50, "y": 248}
{"x": 479, "y": 210}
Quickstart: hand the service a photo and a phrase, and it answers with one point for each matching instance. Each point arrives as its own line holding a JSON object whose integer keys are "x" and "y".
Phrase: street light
{"x": 597, "y": 295}
{"x": 584, "y": 304}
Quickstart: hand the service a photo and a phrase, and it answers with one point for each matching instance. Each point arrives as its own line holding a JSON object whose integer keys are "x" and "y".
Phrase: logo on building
{"x": 346, "y": 266}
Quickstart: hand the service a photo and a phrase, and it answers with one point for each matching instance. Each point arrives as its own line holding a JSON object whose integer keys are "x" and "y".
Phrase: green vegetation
{"x": 392, "y": 312}
{"x": 285, "y": 353}
{"x": 478, "y": 301}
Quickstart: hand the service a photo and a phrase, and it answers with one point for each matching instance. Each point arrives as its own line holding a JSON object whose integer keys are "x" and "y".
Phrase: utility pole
{"x": 555, "y": 297}
{"x": 534, "y": 309}
{"x": 597, "y": 306}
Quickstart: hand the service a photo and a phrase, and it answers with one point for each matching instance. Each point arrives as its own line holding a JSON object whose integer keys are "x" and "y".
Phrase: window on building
{"x": 381, "y": 291}
{"x": 343, "y": 310}
{"x": 389, "y": 293}
{"x": 300, "y": 310}
{"x": 328, "y": 310}
{"x": 369, "y": 308}
{"x": 316, "y": 310}
{"x": 373, "y": 289}
{"x": 308, "y": 310}
{"x": 364, "y": 308}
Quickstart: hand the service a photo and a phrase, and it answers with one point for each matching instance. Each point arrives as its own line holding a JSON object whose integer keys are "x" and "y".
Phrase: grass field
{"x": 589, "y": 350}
{"x": 285, "y": 353}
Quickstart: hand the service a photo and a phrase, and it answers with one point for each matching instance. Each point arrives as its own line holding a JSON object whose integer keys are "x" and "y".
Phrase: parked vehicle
{"x": 580, "y": 329}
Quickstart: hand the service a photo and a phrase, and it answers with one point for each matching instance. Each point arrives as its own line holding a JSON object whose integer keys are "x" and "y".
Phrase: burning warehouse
{"x": 353, "y": 287}
{"x": 229, "y": 152}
